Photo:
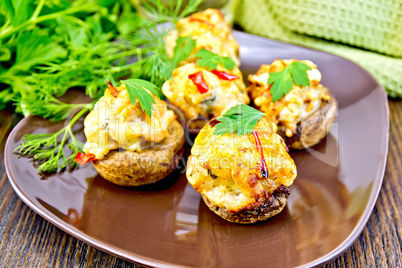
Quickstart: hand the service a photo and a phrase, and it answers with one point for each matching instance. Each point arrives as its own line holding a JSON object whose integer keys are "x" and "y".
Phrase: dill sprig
{"x": 50, "y": 150}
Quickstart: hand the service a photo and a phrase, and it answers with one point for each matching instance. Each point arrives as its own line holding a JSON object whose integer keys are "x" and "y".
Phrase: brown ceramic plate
{"x": 166, "y": 224}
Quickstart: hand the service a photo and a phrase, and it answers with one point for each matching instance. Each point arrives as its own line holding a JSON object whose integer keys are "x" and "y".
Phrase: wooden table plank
{"x": 30, "y": 241}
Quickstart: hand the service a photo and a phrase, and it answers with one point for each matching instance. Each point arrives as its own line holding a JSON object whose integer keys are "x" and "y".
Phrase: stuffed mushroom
{"x": 202, "y": 94}
{"x": 125, "y": 145}
{"x": 304, "y": 115}
{"x": 242, "y": 178}
{"x": 211, "y": 32}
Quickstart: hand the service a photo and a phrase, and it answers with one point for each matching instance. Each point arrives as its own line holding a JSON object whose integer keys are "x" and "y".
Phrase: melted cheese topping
{"x": 222, "y": 94}
{"x": 211, "y": 32}
{"x": 115, "y": 122}
{"x": 227, "y": 168}
{"x": 295, "y": 106}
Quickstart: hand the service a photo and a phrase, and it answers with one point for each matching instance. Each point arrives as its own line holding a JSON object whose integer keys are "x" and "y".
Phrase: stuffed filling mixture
{"x": 292, "y": 108}
{"x": 116, "y": 123}
{"x": 211, "y": 32}
{"x": 242, "y": 178}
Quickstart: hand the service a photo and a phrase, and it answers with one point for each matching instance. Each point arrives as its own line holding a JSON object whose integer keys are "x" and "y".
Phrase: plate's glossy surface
{"x": 166, "y": 224}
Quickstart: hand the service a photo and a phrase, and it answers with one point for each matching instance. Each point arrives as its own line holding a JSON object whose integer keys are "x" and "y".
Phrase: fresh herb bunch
{"x": 240, "y": 119}
{"x": 282, "y": 82}
{"x": 48, "y": 47}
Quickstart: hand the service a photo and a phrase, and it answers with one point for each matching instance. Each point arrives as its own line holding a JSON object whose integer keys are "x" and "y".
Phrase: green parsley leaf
{"x": 282, "y": 81}
{"x": 211, "y": 60}
{"x": 137, "y": 89}
{"x": 75, "y": 34}
{"x": 36, "y": 47}
{"x": 18, "y": 10}
{"x": 241, "y": 118}
{"x": 182, "y": 50}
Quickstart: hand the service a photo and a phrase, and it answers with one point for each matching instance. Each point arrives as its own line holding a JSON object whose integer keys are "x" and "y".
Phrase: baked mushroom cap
{"x": 128, "y": 168}
{"x": 130, "y": 147}
{"x": 312, "y": 129}
{"x": 227, "y": 171}
{"x": 304, "y": 115}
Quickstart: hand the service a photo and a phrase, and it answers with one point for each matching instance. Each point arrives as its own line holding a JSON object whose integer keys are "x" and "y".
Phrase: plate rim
{"x": 133, "y": 257}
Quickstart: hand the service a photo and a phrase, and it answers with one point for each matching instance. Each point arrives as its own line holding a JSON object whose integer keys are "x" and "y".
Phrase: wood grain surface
{"x": 27, "y": 240}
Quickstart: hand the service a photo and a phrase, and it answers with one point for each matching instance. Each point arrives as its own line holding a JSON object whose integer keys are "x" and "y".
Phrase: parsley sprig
{"x": 137, "y": 89}
{"x": 182, "y": 50}
{"x": 211, "y": 60}
{"x": 282, "y": 82}
{"x": 240, "y": 118}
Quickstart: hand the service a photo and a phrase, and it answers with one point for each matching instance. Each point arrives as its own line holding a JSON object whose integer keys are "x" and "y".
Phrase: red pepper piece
{"x": 202, "y": 21}
{"x": 82, "y": 158}
{"x": 113, "y": 91}
{"x": 214, "y": 122}
{"x": 264, "y": 171}
{"x": 225, "y": 76}
{"x": 199, "y": 82}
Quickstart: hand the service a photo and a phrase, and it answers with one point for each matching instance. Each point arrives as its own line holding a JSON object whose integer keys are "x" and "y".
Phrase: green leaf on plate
{"x": 282, "y": 81}
{"x": 182, "y": 50}
{"x": 138, "y": 89}
{"x": 240, "y": 118}
{"x": 211, "y": 60}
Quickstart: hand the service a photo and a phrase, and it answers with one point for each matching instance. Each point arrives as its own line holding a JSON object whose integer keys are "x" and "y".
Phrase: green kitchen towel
{"x": 368, "y": 32}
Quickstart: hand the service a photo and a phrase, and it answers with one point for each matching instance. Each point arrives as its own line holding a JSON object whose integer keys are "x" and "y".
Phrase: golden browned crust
{"x": 268, "y": 208}
{"x": 242, "y": 178}
{"x": 312, "y": 129}
{"x": 127, "y": 168}
{"x": 305, "y": 115}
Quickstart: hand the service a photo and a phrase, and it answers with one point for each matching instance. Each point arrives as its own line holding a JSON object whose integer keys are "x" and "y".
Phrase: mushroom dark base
{"x": 266, "y": 210}
{"x": 126, "y": 168}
